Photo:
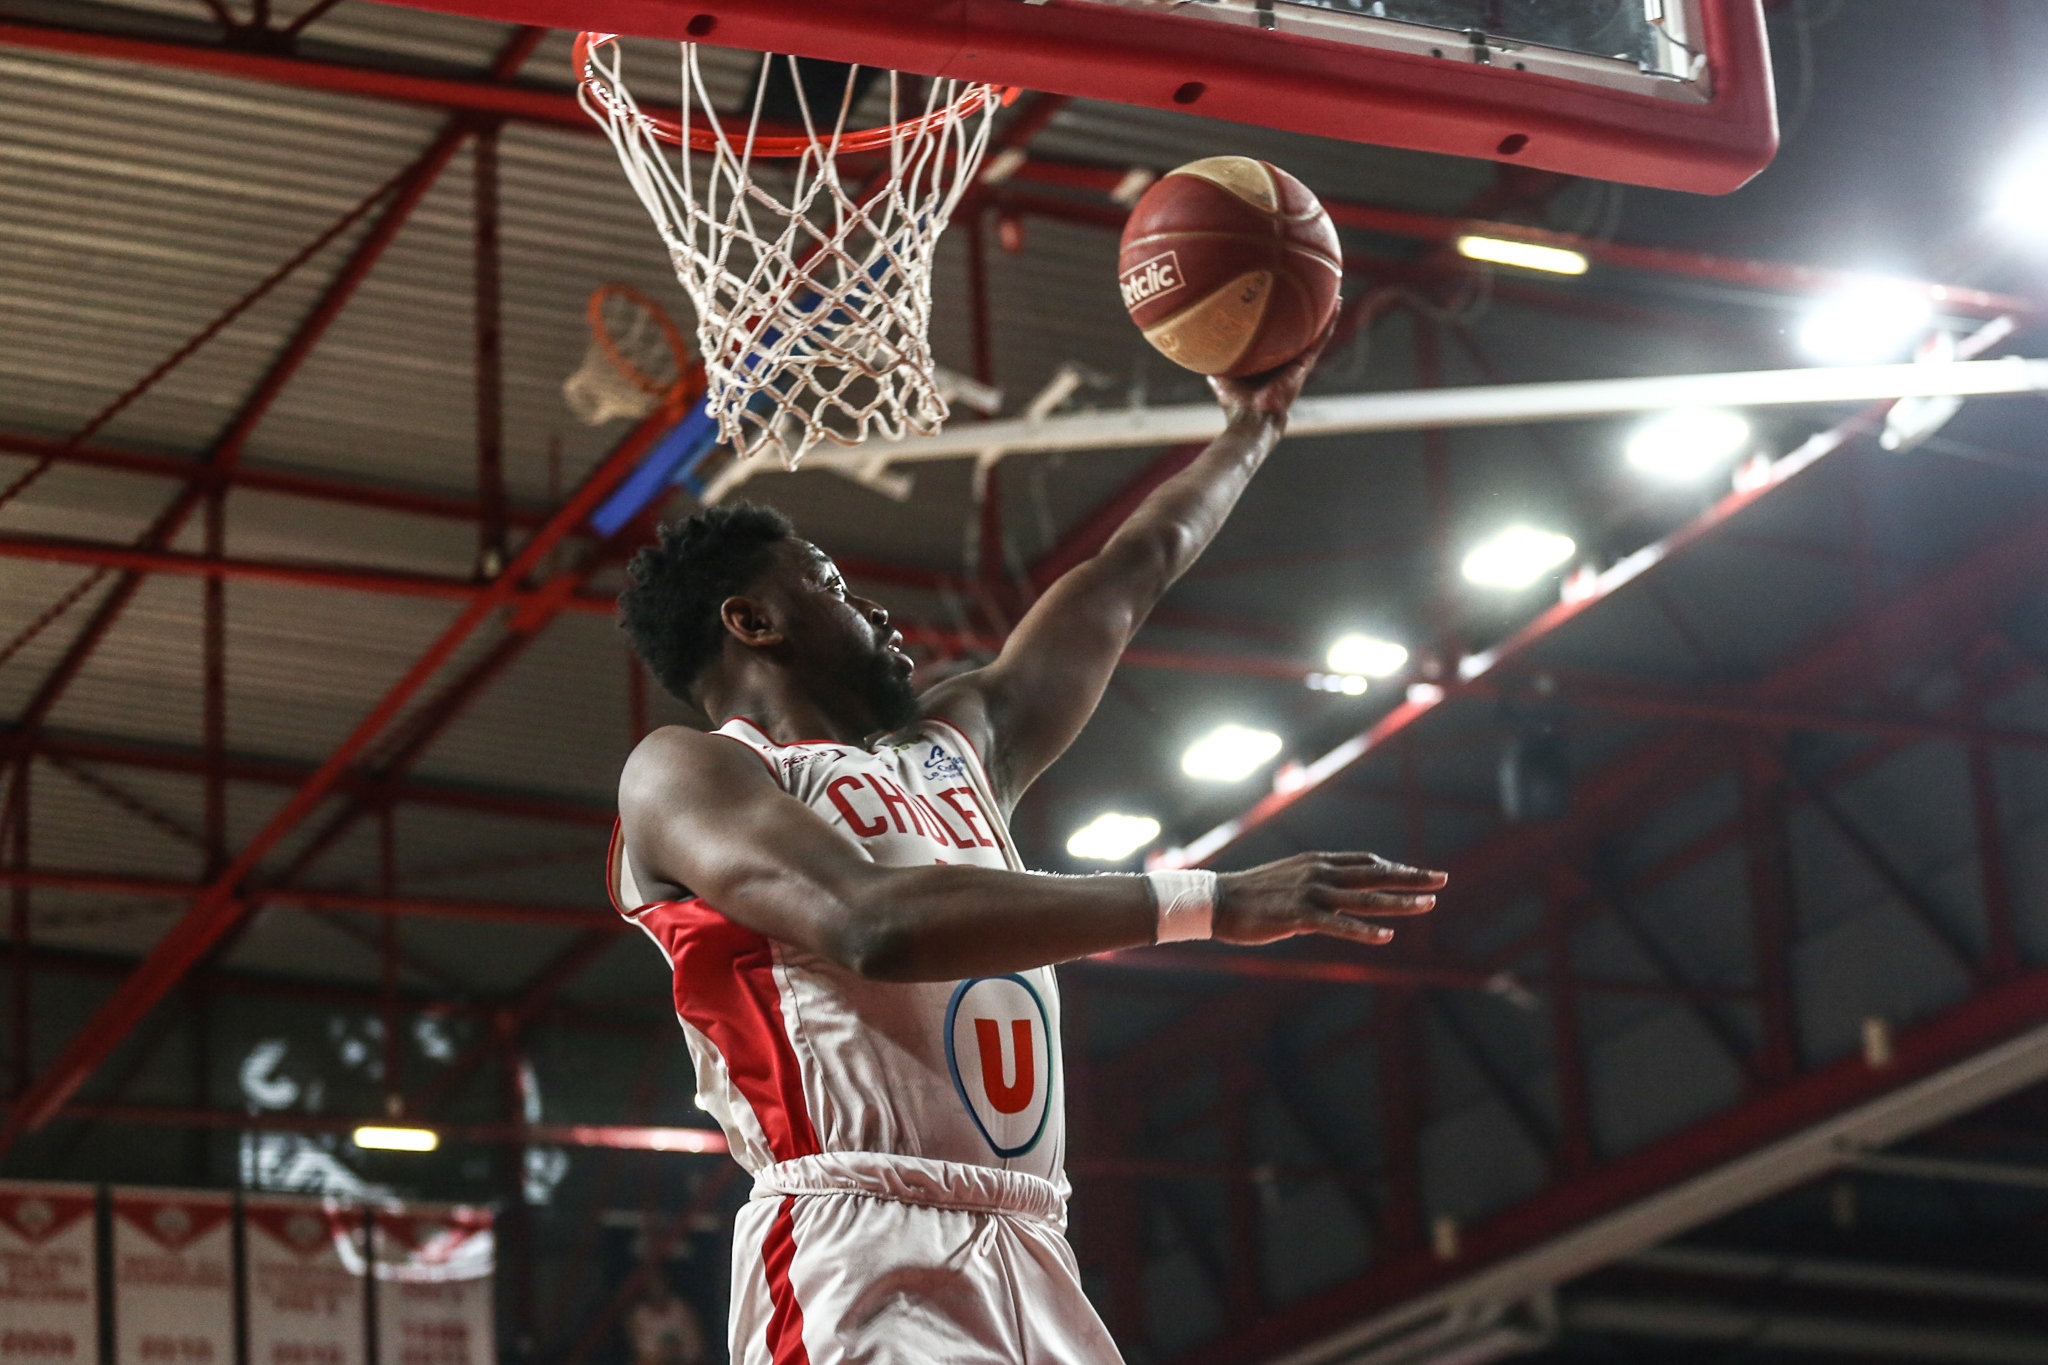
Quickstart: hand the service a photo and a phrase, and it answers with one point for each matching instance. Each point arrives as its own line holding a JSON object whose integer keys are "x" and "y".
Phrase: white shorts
{"x": 855, "y": 1258}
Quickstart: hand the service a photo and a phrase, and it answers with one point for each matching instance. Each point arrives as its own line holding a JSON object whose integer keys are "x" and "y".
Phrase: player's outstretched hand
{"x": 1320, "y": 893}
{"x": 1272, "y": 393}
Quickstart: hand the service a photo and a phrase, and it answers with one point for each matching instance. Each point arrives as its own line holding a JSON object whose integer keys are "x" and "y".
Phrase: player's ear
{"x": 746, "y": 619}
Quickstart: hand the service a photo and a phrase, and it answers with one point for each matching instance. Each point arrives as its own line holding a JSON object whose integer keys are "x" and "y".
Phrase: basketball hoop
{"x": 813, "y": 296}
{"x": 636, "y": 360}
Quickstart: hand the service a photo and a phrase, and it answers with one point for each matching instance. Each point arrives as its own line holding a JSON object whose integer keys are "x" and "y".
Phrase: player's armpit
{"x": 1024, "y": 709}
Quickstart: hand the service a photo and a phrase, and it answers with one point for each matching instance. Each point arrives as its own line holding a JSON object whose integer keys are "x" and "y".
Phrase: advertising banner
{"x": 434, "y": 1306}
{"x": 49, "y": 1281}
{"x": 174, "y": 1291}
{"x": 304, "y": 1283}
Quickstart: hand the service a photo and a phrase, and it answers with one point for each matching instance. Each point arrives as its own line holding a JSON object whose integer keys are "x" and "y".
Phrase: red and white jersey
{"x": 796, "y": 1055}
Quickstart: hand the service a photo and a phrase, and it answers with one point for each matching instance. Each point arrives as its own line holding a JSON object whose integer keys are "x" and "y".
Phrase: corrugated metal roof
{"x": 136, "y": 203}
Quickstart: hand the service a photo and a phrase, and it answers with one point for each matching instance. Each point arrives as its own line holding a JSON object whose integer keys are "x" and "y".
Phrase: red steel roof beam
{"x": 619, "y": 1137}
{"x": 214, "y": 688}
{"x": 474, "y": 95}
{"x": 1969, "y": 1029}
{"x": 1575, "y": 1148}
{"x": 137, "y": 559}
{"x": 508, "y": 1023}
{"x": 535, "y": 105}
{"x": 1767, "y": 861}
{"x": 293, "y": 898}
{"x": 1952, "y": 603}
{"x": 517, "y": 805}
{"x": 1729, "y": 835}
{"x": 490, "y": 369}
{"x": 1994, "y": 872}
{"x": 313, "y": 487}
{"x": 1746, "y": 709}
{"x": 405, "y": 747}
{"x": 304, "y": 991}
{"x": 227, "y": 450}
{"x": 20, "y": 964}
{"x": 1401, "y": 1100}
{"x": 410, "y": 188}
{"x": 56, "y": 549}
{"x": 1950, "y": 606}
{"x": 218, "y": 908}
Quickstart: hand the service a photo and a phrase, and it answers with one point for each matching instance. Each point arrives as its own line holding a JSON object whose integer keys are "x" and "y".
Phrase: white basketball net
{"x": 813, "y": 295}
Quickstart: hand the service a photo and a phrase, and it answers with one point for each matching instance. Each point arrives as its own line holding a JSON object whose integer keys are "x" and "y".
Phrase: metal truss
{"x": 1948, "y": 616}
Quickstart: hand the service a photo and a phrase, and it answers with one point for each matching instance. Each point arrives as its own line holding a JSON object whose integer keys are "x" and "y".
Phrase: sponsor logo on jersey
{"x": 999, "y": 1049}
{"x": 941, "y": 766}
{"x": 792, "y": 764}
{"x": 1149, "y": 279}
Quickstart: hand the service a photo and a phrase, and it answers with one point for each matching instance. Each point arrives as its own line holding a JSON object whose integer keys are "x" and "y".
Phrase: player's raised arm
{"x": 701, "y": 812}
{"x": 1028, "y": 705}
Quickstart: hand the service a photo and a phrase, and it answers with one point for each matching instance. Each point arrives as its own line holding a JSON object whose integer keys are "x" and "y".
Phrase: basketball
{"x": 1229, "y": 266}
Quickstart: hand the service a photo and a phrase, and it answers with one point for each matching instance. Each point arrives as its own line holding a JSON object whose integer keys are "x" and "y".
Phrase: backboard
{"x": 1674, "y": 94}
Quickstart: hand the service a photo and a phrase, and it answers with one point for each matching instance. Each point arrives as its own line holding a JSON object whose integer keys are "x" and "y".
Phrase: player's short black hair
{"x": 676, "y": 586}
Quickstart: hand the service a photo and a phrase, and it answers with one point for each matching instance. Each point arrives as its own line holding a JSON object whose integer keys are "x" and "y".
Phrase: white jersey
{"x": 796, "y": 1056}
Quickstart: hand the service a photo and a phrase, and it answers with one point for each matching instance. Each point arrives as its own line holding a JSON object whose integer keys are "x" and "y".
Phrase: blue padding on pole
{"x": 672, "y": 460}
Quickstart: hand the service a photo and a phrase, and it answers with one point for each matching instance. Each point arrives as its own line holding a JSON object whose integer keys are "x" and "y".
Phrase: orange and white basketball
{"x": 1230, "y": 266}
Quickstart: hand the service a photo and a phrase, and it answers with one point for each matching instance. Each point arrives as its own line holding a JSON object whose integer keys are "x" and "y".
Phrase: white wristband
{"x": 1187, "y": 904}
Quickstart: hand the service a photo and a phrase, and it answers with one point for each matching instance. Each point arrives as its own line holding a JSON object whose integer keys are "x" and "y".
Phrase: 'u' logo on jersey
{"x": 999, "y": 1049}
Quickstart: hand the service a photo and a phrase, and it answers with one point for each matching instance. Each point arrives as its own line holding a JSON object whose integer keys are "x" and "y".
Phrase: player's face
{"x": 850, "y": 637}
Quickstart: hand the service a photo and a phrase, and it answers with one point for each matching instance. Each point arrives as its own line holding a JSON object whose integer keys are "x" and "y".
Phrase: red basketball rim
{"x": 671, "y": 334}
{"x": 703, "y": 139}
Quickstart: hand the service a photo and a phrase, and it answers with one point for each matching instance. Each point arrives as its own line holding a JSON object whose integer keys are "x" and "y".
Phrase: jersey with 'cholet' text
{"x": 796, "y": 1055}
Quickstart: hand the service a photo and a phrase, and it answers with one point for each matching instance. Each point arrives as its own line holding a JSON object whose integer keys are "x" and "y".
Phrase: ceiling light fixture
{"x": 1111, "y": 837}
{"x": 1554, "y": 260}
{"x": 1229, "y": 753}
{"x": 386, "y": 1139}
{"x": 1350, "y": 684}
{"x": 1688, "y": 444}
{"x": 1517, "y": 557}
{"x": 1875, "y": 322}
{"x": 1366, "y": 655}
{"x": 2021, "y": 204}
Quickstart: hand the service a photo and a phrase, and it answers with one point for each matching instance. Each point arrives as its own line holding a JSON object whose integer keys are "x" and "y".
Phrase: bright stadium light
{"x": 1868, "y": 325}
{"x": 1687, "y": 445}
{"x": 1366, "y": 656}
{"x": 1111, "y": 838}
{"x": 1517, "y": 557}
{"x": 382, "y": 1139}
{"x": 1229, "y": 753}
{"x": 1350, "y": 684}
{"x": 2021, "y": 204}
{"x": 1529, "y": 256}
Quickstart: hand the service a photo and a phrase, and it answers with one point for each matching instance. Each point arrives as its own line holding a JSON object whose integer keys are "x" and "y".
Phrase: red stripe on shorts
{"x": 786, "y": 1320}
{"x": 725, "y": 988}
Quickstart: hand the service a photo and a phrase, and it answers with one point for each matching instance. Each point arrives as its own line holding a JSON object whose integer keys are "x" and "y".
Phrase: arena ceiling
{"x": 1784, "y": 728}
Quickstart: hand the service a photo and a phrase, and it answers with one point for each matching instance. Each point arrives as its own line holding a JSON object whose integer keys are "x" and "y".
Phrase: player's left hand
{"x": 1273, "y": 393}
{"x": 1320, "y": 893}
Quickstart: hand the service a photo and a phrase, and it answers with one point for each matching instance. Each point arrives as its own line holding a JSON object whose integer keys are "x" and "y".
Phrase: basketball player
{"x": 862, "y": 964}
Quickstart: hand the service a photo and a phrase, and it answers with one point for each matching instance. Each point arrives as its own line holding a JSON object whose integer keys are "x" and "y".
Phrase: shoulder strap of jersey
{"x": 755, "y": 738}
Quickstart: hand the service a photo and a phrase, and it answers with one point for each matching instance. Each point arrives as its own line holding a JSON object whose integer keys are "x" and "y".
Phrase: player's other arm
{"x": 700, "y": 811}
{"x": 1027, "y": 706}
